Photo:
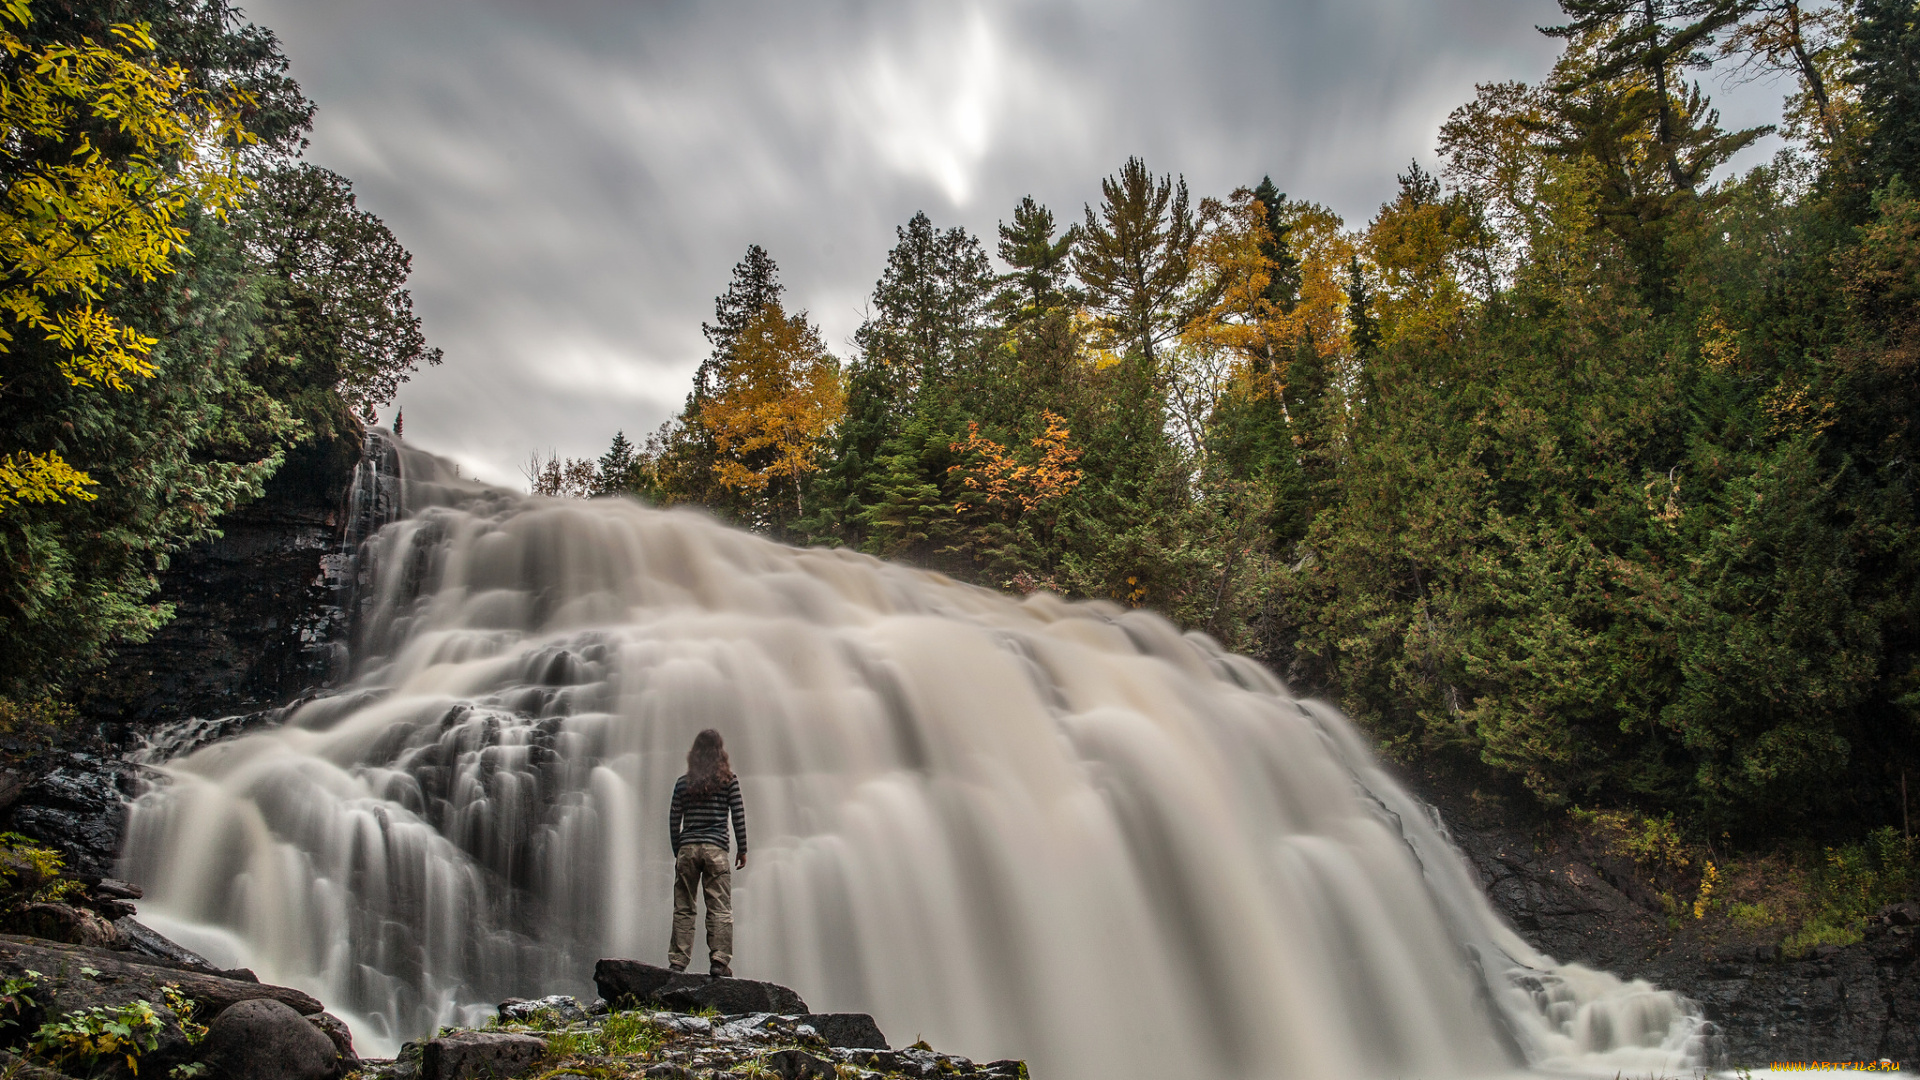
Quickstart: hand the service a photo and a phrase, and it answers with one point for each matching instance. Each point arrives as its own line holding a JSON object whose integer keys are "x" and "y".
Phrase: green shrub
{"x": 85, "y": 1038}
{"x": 620, "y": 1034}
{"x": 1853, "y": 882}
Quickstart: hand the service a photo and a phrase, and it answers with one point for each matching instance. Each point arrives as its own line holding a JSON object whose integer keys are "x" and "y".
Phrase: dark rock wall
{"x": 1858, "y": 1003}
{"x": 257, "y": 611}
{"x": 259, "y": 622}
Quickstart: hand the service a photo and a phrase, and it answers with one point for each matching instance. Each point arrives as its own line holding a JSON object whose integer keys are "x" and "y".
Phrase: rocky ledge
{"x": 675, "y": 1025}
{"x": 1581, "y": 904}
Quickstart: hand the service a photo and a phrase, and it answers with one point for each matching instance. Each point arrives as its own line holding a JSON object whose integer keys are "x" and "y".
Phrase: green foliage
{"x": 1580, "y": 466}
{"x": 620, "y": 1033}
{"x": 184, "y": 1009}
{"x": 14, "y": 997}
{"x": 271, "y": 317}
{"x": 32, "y": 874}
{"x": 92, "y": 1038}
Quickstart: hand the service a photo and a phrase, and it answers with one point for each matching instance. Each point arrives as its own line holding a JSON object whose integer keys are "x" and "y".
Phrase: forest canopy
{"x": 1582, "y": 463}
{"x": 183, "y": 302}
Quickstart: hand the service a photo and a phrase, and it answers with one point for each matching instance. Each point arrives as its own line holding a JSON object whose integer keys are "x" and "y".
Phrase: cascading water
{"x": 1051, "y": 830}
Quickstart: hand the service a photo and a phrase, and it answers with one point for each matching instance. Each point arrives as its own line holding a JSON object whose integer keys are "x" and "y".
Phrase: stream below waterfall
{"x": 1059, "y": 831}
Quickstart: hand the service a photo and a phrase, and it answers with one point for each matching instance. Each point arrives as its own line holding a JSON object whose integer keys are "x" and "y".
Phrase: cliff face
{"x": 259, "y": 622}
{"x": 1582, "y": 905}
{"x": 257, "y": 617}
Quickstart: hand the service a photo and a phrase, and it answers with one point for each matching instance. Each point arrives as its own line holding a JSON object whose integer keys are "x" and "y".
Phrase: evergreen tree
{"x": 1039, "y": 281}
{"x": 1657, "y": 41}
{"x": 1887, "y": 71}
{"x": 1135, "y": 260}
{"x": 618, "y": 472}
{"x": 1283, "y": 286}
{"x": 755, "y": 284}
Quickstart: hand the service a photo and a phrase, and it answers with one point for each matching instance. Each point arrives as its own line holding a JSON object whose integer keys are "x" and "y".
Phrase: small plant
{"x": 192, "y": 1070}
{"x": 1652, "y": 843}
{"x": 184, "y": 1009}
{"x": 1852, "y": 883}
{"x": 1755, "y": 916}
{"x": 1709, "y": 879}
{"x": 621, "y": 1034}
{"x": 87, "y": 1036}
{"x": 33, "y": 874}
{"x": 13, "y": 996}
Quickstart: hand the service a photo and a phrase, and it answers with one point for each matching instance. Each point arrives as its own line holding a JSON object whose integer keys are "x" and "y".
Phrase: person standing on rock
{"x": 704, "y": 800}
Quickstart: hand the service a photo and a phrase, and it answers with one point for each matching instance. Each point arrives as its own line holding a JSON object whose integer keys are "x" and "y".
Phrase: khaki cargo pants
{"x": 702, "y": 868}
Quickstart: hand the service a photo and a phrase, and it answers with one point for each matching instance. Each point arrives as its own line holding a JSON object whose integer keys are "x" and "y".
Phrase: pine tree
{"x": 1283, "y": 287}
{"x": 929, "y": 306}
{"x": 755, "y": 284}
{"x": 1039, "y": 280}
{"x": 1657, "y": 40}
{"x": 618, "y": 469}
{"x": 1135, "y": 259}
{"x": 1887, "y": 71}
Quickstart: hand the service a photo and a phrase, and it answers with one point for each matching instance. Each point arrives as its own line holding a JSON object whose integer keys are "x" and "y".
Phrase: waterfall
{"x": 1030, "y": 828}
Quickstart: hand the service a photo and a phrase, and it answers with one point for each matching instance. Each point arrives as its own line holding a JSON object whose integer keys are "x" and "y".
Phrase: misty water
{"x": 1064, "y": 832}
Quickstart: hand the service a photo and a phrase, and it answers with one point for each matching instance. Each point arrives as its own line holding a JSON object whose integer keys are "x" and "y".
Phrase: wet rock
{"x": 562, "y": 1008}
{"x": 78, "y": 809}
{"x": 474, "y": 1055}
{"x": 337, "y": 1032}
{"x": 77, "y": 977}
{"x": 115, "y": 889}
{"x": 69, "y": 924}
{"x": 640, "y": 983}
{"x": 263, "y": 1039}
{"x": 851, "y": 1030}
{"x": 257, "y": 610}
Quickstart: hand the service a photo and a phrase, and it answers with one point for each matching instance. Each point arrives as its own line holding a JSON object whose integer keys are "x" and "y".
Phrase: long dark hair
{"x": 708, "y": 770}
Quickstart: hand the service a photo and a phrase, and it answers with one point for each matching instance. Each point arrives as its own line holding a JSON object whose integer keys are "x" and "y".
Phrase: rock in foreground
{"x": 681, "y": 991}
{"x": 558, "y": 1037}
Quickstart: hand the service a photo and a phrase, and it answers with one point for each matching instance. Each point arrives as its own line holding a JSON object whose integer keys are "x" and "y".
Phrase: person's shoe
{"x": 720, "y": 971}
{"x": 676, "y": 967}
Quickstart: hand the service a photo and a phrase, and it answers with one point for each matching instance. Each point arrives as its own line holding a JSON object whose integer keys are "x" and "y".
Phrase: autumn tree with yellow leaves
{"x": 184, "y": 308}
{"x": 110, "y": 150}
{"x": 769, "y": 412}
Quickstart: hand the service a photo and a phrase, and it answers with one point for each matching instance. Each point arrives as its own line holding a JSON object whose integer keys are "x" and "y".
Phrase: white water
{"x": 1063, "y": 832}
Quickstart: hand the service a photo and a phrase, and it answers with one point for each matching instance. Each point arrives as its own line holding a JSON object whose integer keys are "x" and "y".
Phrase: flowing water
{"x": 1017, "y": 828}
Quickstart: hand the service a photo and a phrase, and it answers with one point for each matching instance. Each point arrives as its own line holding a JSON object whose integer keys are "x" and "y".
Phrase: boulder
{"x": 681, "y": 991}
{"x": 264, "y": 1039}
{"x": 481, "y": 1055}
{"x": 565, "y": 1009}
{"x": 336, "y": 1030}
{"x": 73, "y": 925}
{"x": 76, "y": 977}
{"x": 852, "y": 1031}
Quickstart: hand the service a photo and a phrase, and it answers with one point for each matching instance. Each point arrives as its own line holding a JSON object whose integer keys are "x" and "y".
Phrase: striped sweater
{"x": 702, "y": 819}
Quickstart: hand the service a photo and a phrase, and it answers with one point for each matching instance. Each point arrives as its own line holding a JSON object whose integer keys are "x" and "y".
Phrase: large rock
{"x": 852, "y": 1031}
{"x": 263, "y": 1039}
{"x": 138, "y": 937}
{"x": 69, "y": 924}
{"x": 336, "y": 1030}
{"x": 631, "y": 980}
{"x": 76, "y": 977}
{"x": 481, "y": 1055}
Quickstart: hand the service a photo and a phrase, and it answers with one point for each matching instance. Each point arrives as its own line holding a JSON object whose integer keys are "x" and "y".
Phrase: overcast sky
{"x": 576, "y": 178}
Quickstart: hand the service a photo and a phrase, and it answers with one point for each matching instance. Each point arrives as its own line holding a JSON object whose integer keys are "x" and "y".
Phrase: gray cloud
{"x": 575, "y": 178}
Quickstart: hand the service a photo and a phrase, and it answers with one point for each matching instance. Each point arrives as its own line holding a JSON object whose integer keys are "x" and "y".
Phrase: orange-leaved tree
{"x": 770, "y": 410}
